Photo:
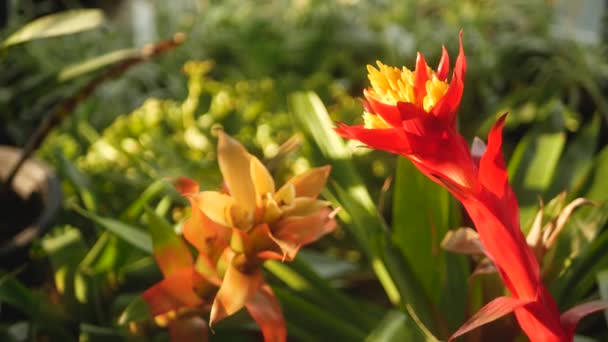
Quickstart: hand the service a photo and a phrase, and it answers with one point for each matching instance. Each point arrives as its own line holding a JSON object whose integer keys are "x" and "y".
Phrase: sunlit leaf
{"x": 59, "y": 24}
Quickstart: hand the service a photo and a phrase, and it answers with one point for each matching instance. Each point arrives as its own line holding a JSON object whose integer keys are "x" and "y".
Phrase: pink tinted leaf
{"x": 570, "y": 318}
{"x": 266, "y": 311}
{"x": 492, "y": 311}
{"x": 189, "y": 329}
{"x": 173, "y": 292}
{"x": 305, "y": 229}
{"x": 463, "y": 240}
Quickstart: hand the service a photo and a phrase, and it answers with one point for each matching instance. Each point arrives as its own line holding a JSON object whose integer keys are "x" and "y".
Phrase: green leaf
{"x": 133, "y": 235}
{"x": 42, "y": 312}
{"x": 137, "y": 310}
{"x": 602, "y": 284}
{"x": 395, "y": 326}
{"x": 423, "y": 212}
{"x": 59, "y": 24}
{"x": 93, "y": 333}
{"x": 299, "y": 276}
{"x": 364, "y": 221}
{"x": 532, "y": 167}
{"x": 309, "y": 317}
{"x": 577, "y": 160}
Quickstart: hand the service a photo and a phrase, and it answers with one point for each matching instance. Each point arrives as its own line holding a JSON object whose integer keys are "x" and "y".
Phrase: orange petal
{"x": 311, "y": 182}
{"x": 203, "y": 233}
{"x": 189, "y": 329}
{"x": 262, "y": 180}
{"x": 216, "y": 206}
{"x": 173, "y": 292}
{"x": 234, "y": 164}
{"x": 266, "y": 311}
{"x": 235, "y": 291}
{"x": 172, "y": 257}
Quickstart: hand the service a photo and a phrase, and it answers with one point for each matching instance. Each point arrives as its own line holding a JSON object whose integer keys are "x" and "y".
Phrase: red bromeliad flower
{"x": 413, "y": 114}
{"x": 234, "y": 233}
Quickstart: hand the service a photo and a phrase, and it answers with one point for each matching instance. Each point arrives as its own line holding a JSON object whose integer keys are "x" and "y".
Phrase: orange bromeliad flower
{"x": 413, "y": 114}
{"x": 235, "y": 232}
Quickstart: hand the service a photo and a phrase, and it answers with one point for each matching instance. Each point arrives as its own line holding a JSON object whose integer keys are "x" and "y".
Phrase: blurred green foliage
{"x": 241, "y": 64}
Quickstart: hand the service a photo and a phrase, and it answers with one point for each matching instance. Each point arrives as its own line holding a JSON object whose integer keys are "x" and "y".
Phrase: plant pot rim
{"x": 33, "y": 176}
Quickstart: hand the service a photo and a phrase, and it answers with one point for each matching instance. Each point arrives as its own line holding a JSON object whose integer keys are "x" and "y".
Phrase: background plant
{"x": 156, "y": 122}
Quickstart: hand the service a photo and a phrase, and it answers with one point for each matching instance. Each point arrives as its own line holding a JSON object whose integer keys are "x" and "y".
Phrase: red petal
{"x": 189, "y": 329}
{"x": 492, "y": 311}
{"x": 461, "y": 61}
{"x": 444, "y": 65}
{"x": 421, "y": 77}
{"x": 494, "y": 178}
{"x": 416, "y": 120}
{"x": 388, "y": 112}
{"x": 186, "y": 186}
{"x": 571, "y": 317}
{"x": 391, "y": 139}
{"x": 446, "y": 107}
{"x": 237, "y": 288}
{"x": 173, "y": 292}
{"x": 266, "y": 311}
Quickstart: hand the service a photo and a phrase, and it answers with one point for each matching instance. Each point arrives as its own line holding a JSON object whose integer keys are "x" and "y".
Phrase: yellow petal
{"x": 285, "y": 195}
{"x": 262, "y": 180}
{"x": 234, "y": 164}
{"x": 311, "y": 182}
{"x": 272, "y": 212}
{"x": 218, "y": 207}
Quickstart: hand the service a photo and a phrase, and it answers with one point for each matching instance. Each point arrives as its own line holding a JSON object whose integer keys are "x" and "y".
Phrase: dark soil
{"x": 17, "y": 213}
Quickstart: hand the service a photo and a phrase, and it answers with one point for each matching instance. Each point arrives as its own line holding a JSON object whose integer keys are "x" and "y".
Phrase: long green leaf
{"x": 133, "y": 235}
{"x": 59, "y": 24}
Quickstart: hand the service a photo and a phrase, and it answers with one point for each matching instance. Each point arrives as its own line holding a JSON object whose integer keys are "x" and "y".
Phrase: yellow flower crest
{"x": 391, "y": 85}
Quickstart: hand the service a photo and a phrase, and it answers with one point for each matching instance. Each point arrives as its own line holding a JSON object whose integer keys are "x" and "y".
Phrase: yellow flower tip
{"x": 373, "y": 121}
{"x": 391, "y": 85}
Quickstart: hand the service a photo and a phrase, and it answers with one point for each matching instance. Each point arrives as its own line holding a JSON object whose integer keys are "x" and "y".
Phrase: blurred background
{"x": 542, "y": 61}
